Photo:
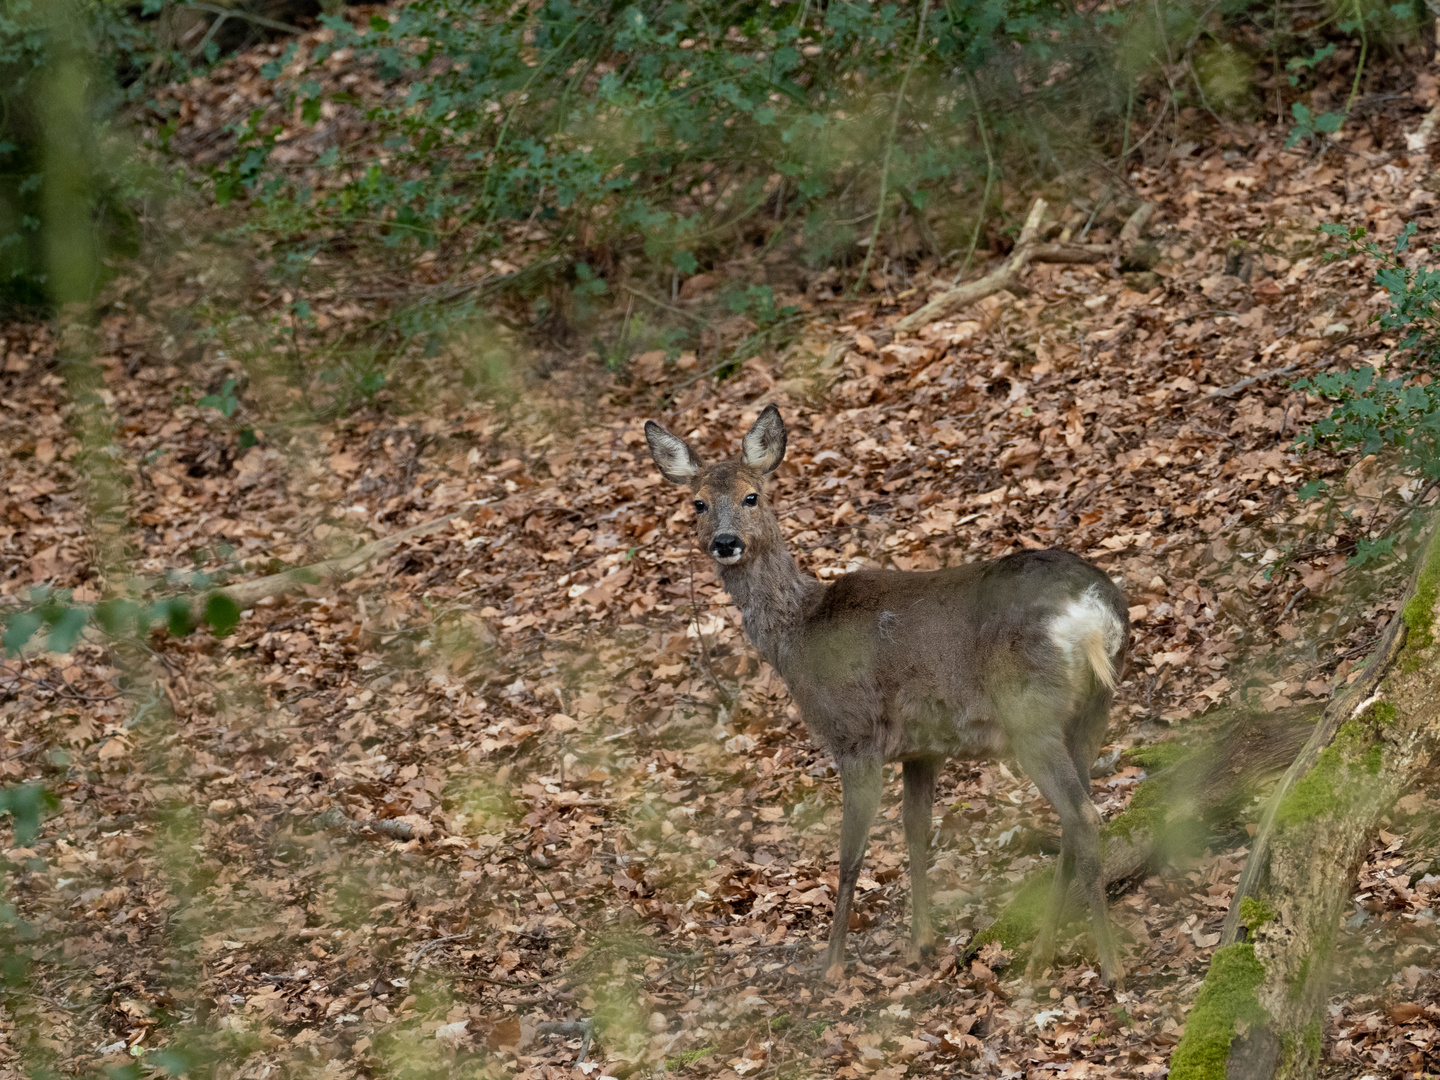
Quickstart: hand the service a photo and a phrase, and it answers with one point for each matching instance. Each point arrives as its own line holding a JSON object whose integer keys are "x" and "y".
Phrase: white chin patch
{"x": 728, "y": 560}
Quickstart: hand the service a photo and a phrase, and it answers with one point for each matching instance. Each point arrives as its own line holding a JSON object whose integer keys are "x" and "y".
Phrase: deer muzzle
{"x": 727, "y": 548}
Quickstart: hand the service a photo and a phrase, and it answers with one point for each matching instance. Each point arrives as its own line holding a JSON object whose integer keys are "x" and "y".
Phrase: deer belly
{"x": 932, "y": 728}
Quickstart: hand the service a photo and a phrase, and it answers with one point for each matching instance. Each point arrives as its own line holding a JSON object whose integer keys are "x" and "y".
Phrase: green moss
{"x": 1381, "y": 714}
{"x": 688, "y": 1057}
{"x": 1300, "y": 978}
{"x": 1419, "y": 613}
{"x": 1255, "y": 913}
{"x": 1016, "y": 927}
{"x": 1158, "y": 756}
{"x": 1227, "y": 998}
{"x": 1331, "y": 784}
{"x": 1146, "y": 811}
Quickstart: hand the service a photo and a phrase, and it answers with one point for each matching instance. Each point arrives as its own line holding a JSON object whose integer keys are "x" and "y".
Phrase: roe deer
{"x": 1016, "y": 655}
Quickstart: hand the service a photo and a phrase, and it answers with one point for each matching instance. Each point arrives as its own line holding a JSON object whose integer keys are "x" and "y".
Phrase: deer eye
{"x": 752, "y": 499}
{"x": 700, "y": 506}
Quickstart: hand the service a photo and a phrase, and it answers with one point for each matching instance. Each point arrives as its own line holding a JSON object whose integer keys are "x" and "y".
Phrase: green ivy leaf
{"x": 117, "y": 617}
{"x": 26, "y": 803}
{"x": 65, "y": 630}
{"x": 20, "y": 627}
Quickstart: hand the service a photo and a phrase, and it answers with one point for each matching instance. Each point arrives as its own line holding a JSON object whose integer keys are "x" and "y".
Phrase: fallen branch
{"x": 992, "y": 282}
{"x": 1249, "y": 381}
{"x": 240, "y": 13}
{"x": 248, "y": 593}
{"x": 1027, "y": 250}
{"x": 337, "y": 818}
{"x": 1420, "y": 138}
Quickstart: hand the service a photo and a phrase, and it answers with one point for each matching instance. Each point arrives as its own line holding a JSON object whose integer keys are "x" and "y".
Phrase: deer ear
{"x": 763, "y": 447}
{"x": 672, "y": 454}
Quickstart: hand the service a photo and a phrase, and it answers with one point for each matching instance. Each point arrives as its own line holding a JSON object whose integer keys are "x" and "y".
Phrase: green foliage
{"x": 224, "y": 400}
{"x": 1226, "y": 999}
{"x": 1398, "y": 414}
{"x": 115, "y": 618}
{"x": 1308, "y": 125}
{"x": 27, "y": 804}
{"x": 688, "y": 1057}
{"x": 657, "y": 127}
{"x": 35, "y": 36}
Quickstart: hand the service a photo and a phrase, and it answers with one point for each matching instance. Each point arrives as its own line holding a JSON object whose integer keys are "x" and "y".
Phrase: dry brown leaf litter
{"x": 528, "y": 772}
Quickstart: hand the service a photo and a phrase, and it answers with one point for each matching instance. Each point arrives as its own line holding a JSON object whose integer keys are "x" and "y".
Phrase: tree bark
{"x": 1260, "y": 1012}
{"x": 1193, "y": 789}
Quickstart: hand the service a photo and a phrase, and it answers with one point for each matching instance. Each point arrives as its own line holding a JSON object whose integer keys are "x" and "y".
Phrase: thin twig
{"x": 700, "y": 634}
{"x": 989, "y": 180}
{"x": 241, "y": 13}
{"x": 668, "y": 307}
{"x": 890, "y": 147}
{"x": 1248, "y": 381}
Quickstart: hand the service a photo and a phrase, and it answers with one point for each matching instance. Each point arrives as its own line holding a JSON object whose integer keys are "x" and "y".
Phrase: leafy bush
{"x": 46, "y": 46}
{"x": 664, "y": 127}
{"x": 1397, "y": 414}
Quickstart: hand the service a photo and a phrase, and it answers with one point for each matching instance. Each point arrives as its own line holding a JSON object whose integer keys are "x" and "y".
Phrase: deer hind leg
{"x": 919, "y": 803}
{"x": 1051, "y": 766}
{"x": 861, "y": 782}
{"x": 1044, "y": 949}
{"x": 1085, "y": 739}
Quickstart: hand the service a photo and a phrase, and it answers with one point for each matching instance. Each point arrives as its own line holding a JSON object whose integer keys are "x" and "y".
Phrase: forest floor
{"x": 592, "y": 803}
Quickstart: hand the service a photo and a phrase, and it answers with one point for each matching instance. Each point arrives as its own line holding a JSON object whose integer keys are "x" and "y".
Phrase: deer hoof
{"x": 919, "y": 953}
{"x": 835, "y": 973}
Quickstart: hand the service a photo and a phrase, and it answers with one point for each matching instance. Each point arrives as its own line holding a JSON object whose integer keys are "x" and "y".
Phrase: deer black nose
{"x": 727, "y": 547}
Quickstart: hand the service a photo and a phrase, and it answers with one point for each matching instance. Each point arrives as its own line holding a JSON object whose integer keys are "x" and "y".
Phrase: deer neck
{"x": 771, "y": 593}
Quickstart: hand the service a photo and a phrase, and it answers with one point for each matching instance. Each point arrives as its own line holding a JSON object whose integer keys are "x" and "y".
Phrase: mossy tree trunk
{"x": 1260, "y": 1012}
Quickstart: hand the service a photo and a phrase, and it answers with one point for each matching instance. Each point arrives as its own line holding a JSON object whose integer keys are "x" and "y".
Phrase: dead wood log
{"x": 1193, "y": 789}
{"x": 1027, "y": 249}
{"x": 248, "y": 593}
{"x": 1260, "y": 1011}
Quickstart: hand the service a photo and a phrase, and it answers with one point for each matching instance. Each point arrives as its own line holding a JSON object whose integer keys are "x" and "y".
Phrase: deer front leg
{"x": 861, "y": 781}
{"x": 919, "y": 803}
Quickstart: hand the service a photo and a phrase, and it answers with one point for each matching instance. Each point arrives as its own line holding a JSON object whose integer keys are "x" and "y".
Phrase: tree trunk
{"x": 1193, "y": 789}
{"x": 1260, "y": 1012}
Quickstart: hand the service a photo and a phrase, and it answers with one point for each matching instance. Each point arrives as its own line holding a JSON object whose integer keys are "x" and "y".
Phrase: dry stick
{"x": 1235, "y": 387}
{"x": 248, "y": 593}
{"x": 992, "y": 282}
{"x": 1026, "y": 251}
{"x": 890, "y": 147}
{"x": 668, "y": 307}
{"x": 569, "y": 1029}
{"x": 240, "y": 13}
{"x": 1420, "y": 138}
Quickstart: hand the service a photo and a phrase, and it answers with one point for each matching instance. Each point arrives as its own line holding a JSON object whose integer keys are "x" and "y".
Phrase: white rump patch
{"x": 1088, "y": 630}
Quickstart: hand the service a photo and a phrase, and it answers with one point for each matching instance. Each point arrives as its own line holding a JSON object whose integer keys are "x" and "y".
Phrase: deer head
{"x": 733, "y": 519}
